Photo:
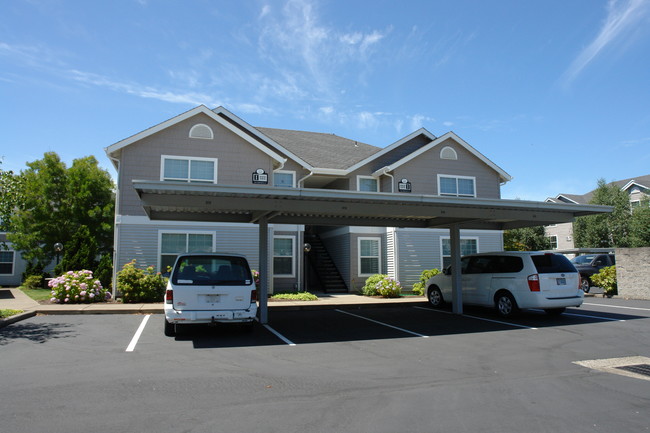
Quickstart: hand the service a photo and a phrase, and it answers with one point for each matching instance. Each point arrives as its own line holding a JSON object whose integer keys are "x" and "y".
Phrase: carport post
{"x": 264, "y": 269}
{"x": 456, "y": 292}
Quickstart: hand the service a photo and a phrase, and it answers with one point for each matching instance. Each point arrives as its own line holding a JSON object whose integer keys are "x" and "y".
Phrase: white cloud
{"x": 622, "y": 16}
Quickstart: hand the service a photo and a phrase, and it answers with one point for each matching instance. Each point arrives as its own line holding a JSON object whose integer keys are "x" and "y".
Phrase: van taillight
{"x": 169, "y": 296}
{"x": 253, "y": 296}
{"x": 533, "y": 283}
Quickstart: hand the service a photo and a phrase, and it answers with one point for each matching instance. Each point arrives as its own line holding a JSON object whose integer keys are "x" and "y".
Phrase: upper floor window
{"x": 186, "y": 169}
{"x": 448, "y": 153}
{"x": 457, "y": 186}
{"x": 367, "y": 183}
{"x": 201, "y": 131}
{"x": 285, "y": 179}
{"x": 553, "y": 241}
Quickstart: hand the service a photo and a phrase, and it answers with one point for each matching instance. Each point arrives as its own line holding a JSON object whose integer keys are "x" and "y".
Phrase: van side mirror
{"x": 447, "y": 270}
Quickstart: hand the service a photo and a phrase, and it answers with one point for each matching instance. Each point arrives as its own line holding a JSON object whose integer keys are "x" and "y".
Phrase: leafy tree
{"x": 605, "y": 230}
{"x": 57, "y": 202}
{"x": 526, "y": 239}
{"x": 640, "y": 225}
{"x": 10, "y": 196}
{"x": 80, "y": 253}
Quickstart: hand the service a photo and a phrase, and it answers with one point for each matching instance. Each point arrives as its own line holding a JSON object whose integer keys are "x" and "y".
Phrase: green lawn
{"x": 37, "y": 294}
{"x": 8, "y": 313}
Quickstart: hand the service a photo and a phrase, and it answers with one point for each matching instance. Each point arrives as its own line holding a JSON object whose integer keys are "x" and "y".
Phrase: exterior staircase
{"x": 321, "y": 263}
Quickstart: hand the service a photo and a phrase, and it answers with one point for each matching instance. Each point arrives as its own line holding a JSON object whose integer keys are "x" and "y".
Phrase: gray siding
{"x": 19, "y": 266}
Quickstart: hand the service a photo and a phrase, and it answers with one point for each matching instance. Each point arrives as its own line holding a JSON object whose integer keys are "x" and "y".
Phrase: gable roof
{"x": 624, "y": 184}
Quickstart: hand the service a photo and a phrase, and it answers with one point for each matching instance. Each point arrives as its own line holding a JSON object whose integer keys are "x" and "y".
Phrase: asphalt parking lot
{"x": 406, "y": 369}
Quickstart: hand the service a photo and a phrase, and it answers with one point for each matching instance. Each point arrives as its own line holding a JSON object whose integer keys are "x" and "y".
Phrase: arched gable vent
{"x": 201, "y": 131}
{"x": 448, "y": 153}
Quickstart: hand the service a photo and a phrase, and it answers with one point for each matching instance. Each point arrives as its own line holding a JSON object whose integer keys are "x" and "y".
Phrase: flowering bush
{"x": 370, "y": 288}
{"x": 256, "y": 277}
{"x": 76, "y": 287}
{"x": 388, "y": 287}
{"x": 418, "y": 288}
{"x": 606, "y": 279}
{"x": 140, "y": 285}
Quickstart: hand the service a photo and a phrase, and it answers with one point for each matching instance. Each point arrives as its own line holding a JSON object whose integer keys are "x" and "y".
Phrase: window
{"x": 6, "y": 262}
{"x": 448, "y": 153}
{"x": 553, "y": 240}
{"x": 174, "y": 243}
{"x": 367, "y": 183}
{"x": 284, "y": 179}
{"x": 283, "y": 253}
{"x": 176, "y": 168}
{"x": 456, "y": 186}
{"x": 369, "y": 258}
{"x": 467, "y": 246}
{"x": 201, "y": 131}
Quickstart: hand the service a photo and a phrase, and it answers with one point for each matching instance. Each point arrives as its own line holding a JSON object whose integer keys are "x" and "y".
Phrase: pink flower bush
{"x": 75, "y": 287}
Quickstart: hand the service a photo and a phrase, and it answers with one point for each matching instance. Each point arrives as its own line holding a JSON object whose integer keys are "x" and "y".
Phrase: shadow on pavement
{"x": 35, "y": 332}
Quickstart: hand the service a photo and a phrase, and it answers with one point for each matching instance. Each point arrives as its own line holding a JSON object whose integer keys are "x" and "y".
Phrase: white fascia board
{"x": 385, "y": 150}
{"x": 632, "y": 183}
{"x": 504, "y": 176}
{"x": 254, "y": 131}
{"x": 330, "y": 171}
{"x": 110, "y": 150}
{"x": 565, "y": 197}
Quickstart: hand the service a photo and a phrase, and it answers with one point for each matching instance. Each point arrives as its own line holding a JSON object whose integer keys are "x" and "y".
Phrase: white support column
{"x": 264, "y": 270}
{"x": 456, "y": 292}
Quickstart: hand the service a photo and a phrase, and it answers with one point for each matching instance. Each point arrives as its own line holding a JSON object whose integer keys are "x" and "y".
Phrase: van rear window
{"x": 211, "y": 271}
{"x": 552, "y": 264}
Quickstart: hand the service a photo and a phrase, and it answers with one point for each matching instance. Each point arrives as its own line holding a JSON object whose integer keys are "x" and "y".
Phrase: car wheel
{"x": 584, "y": 284}
{"x": 434, "y": 296}
{"x": 170, "y": 329}
{"x": 506, "y": 304}
{"x": 555, "y": 311}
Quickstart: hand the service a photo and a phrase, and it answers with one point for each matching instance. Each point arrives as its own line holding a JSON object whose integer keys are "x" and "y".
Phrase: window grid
{"x": 456, "y": 186}
{"x": 195, "y": 170}
{"x": 283, "y": 256}
{"x": 369, "y": 256}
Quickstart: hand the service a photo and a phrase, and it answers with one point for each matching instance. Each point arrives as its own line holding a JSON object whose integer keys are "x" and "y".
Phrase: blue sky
{"x": 555, "y": 92}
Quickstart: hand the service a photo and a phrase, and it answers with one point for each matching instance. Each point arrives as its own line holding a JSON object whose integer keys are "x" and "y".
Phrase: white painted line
{"x": 617, "y": 306}
{"x": 280, "y": 336}
{"x": 478, "y": 318}
{"x": 384, "y": 324}
{"x": 593, "y": 317}
{"x": 136, "y": 337}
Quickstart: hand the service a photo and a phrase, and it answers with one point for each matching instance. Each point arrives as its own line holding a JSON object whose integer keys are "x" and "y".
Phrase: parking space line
{"x": 594, "y": 317}
{"x": 479, "y": 318}
{"x": 384, "y": 324}
{"x": 136, "y": 337}
{"x": 616, "y": 306}
{"x": 280, "y": 336}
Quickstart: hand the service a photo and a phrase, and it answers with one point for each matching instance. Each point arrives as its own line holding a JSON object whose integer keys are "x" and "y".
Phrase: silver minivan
{"x": 511, "y": 280}
{"x": 209, "y": 288}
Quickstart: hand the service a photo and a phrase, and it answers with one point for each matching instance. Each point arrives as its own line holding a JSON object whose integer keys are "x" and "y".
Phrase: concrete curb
{"x": 17, "y": 318}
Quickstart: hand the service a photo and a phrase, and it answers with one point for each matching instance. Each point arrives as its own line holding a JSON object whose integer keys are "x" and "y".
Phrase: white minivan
{"x": 209, "y": 288}
{"x": 510, "y": 280}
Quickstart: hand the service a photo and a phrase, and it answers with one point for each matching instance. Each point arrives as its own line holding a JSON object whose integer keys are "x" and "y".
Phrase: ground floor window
{"x": 174, "y": 243}
{"x": 467, "y": 246}
{"x": 283, "y": 256}
{"x": 6, "y": 262}
{"x": 369, "y": 256}
{"x": 553, "y": 240}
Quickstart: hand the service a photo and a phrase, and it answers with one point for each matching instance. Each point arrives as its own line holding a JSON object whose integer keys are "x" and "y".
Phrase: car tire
{"x": 555, "y": 311}
{"x": 505, "y": 304}
{"x": 434, "y": 296}
{"x": 584, "y": 284}
{"x": 170, "y": 329}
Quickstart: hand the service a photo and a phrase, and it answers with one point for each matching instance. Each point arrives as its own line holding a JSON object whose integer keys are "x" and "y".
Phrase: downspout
{"x": 302, "y": 179}
{"x": 384, "y": 171}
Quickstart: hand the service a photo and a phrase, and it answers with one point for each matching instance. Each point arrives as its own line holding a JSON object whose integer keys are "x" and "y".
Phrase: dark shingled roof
{"x": 586, "y": 198}
{"x": 321, "y": 150}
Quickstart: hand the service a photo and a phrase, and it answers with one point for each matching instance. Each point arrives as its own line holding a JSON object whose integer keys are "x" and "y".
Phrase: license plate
{"x": 212, "y": 299}
{"x": 561, "y": 281}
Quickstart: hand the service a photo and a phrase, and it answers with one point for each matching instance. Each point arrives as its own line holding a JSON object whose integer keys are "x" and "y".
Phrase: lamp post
{"x": 58, "y": 247}
{"x": 306, "y": 249}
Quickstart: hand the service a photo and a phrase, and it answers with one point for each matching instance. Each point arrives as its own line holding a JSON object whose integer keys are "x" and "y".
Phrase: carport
{"x": 172, "y": 201}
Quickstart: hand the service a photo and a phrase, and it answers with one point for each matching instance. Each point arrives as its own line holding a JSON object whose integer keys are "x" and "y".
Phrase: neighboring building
{"x": 561, "y": 235}
{"x": 12, "y": 265}
{"x": 217, "y": 147}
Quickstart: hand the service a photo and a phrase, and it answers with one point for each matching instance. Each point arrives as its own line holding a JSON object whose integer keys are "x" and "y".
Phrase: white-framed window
{"x": 201, "y": 131}
{"x": 448, "y": 153}
{"x": 188, "y": 169}
{"x": 284, "y": 256}
{"x": 456, "y": 186}
{"x": 468, "y": 245}
{"x": 7, "y": 262}
{"x": 171, "y": 243}
{"x": 286, "y": 179}
{"x": 367, "y": 183}
{"x": 553, "y": 240}
{"x": 369, "y": 256}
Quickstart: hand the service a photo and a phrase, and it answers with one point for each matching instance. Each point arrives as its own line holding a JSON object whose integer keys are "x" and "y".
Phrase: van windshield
{"x": 552, "y": 264}
{"x": 211, "y": 270}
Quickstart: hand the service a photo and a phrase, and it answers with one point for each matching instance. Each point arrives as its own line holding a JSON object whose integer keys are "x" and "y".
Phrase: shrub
{"x": 370, "y": 288}
{"x": 33, "y": 282}
{"x": 388, "y": 287}
{"x": 140, "y": 285}
{"x": 256, "y": 277}
{"x": 77, "y": 287}
{"x": 420, "y": 287}
{"x": 302, "y": 296}
{"x": 104, "y": 271}
{"x": 606, "y": 279}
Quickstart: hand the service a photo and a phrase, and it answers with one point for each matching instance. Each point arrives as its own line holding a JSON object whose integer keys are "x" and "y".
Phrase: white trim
{"x": 454, "y": 176}
{"x": 182, "y": 232}
{"x": 451, "y": 151}
{"x": 634, "y": 182}
{"x": 359, "y": 177}
{"x": 13, "y": 263}
{"x": 556, "y": 241}
{"x": 189, "y": 159}
{"x": 198, "y": 125}
{"x": 293, "y": 255}
{"x": 368, "y": 238}
{"x": 291, "y": 172}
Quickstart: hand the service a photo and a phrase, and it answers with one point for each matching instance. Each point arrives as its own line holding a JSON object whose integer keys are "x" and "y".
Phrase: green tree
{"x": 80, "y": 253}
{"x": 605, "y": 230}
{"x": 56, "y": 202}
{"x": 640, "y": 225}
{"x": 10, "y": 196}
{"x": 526, "y": 239}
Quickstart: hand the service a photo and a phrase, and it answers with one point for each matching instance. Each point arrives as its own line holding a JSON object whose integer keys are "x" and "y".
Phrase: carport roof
{"x": 248, "y": 204}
